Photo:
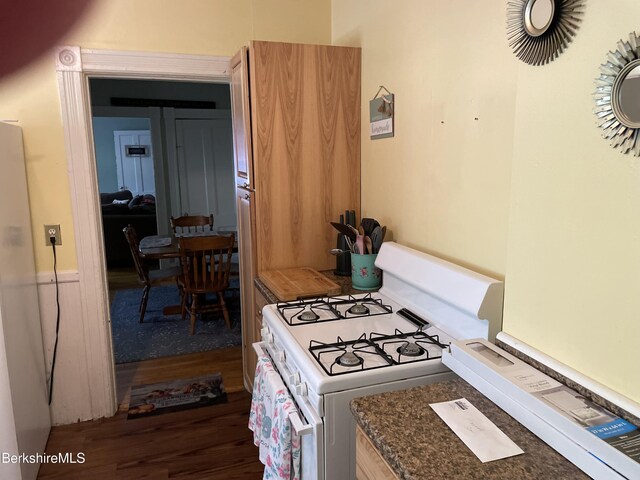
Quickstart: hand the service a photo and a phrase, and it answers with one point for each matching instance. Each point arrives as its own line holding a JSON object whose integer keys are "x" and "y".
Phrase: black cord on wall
{"x": 55, "y": 346}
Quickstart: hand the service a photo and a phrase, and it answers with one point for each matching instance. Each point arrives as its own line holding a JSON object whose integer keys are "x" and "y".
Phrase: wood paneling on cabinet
{"x": 296, "y": 121}
{"x": 305, "y": 112}
{"x": 246, "y": 248}
{"x": 369, "y": 463}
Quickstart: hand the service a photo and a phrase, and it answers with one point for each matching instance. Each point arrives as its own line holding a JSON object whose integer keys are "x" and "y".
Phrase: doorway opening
{"x": 93, "y": 395}
{"x": 162, "y": 149}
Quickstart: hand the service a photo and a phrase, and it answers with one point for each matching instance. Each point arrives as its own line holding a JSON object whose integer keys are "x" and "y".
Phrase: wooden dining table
{"x": 166, "y": 247}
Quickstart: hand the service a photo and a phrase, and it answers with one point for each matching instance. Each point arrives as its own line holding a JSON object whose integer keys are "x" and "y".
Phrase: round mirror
{"x": 626, "y": 94}
{"x": 618, "y": 96}
{"x": 539, "y": 30}
{"x": 538, "y": 15}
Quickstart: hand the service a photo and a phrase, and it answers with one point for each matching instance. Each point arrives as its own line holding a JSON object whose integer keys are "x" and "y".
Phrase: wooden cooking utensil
{"x": 368, "y": 244}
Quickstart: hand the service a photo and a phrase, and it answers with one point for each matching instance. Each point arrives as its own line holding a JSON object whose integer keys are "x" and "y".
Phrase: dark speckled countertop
{"x": 417, "y": 444}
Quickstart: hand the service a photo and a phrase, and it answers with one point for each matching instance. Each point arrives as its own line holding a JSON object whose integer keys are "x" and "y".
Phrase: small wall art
{"x": 381, "y": 110}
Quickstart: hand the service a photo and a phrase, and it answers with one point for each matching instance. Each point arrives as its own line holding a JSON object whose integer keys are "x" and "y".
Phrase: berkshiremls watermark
{"x": 67, "y": 457}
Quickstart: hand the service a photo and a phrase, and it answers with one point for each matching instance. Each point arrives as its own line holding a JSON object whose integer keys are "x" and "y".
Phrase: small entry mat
{"x": 176, "y": 395}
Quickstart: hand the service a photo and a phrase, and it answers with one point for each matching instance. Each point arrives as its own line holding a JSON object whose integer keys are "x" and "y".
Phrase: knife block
{"x": 343, "y": 262}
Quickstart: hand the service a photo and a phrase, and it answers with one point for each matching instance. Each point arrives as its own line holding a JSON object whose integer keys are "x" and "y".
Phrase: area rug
{"x": 161, "y": 336}
{"x": 157, "y": 398}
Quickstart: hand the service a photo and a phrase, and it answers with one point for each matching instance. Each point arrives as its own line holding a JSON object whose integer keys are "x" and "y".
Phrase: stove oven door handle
{"x": 299, "y": 427}
{"x": 294, "y": 417}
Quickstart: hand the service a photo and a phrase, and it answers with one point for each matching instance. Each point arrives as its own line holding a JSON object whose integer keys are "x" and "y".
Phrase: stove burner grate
{"x": 352, "y": 355}
{"x": 367, "y": 305}
{"x": 409, "y": 347}
{"x": 301, "y": 312}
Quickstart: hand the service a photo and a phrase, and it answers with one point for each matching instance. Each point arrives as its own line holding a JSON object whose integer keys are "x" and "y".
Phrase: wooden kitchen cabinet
{"x": 369, "y": 463}
{"x": 296, "y": 128}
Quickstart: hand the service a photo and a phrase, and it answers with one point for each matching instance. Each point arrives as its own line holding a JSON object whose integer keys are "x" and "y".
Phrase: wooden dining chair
{"x": 149, "y": 277}
{"x": 191, "y": 223}
{"x": 206, "y": 264}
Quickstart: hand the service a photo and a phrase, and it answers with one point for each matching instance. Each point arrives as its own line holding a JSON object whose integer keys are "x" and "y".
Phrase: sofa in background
{"x": 120, "y": 209}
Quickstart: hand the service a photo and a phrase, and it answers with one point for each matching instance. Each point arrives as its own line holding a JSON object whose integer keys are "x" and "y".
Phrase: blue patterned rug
{"x": 161, "y": 336}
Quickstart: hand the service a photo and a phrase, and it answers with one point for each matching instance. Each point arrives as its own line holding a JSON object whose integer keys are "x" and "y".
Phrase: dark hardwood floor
{"x": 199, "y": 444}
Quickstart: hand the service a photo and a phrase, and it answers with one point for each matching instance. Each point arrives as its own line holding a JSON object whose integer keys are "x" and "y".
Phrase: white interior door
{"x": 205, "y": 169}
{"x": 134, "y": 161}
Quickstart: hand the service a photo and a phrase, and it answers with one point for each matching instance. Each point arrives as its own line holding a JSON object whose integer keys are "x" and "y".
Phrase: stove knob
{"x": 266, "y": 336}
{"x": 301, "y": 389}
{"x": 280, "y": 356}
{"x": 294, "y": 378}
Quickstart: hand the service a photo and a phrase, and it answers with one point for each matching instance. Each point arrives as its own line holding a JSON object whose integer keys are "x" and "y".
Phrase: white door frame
{"x": 74, "y": 67}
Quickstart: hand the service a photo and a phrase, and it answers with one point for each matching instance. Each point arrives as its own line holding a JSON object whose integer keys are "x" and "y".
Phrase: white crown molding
{"x": 131, "y": 64}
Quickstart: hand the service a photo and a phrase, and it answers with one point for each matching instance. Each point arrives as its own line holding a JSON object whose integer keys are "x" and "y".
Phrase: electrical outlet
{"x": 52, "y": 231}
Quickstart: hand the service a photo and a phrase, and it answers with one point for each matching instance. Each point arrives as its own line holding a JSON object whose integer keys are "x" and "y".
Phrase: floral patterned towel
{"x": 269, "y": 420}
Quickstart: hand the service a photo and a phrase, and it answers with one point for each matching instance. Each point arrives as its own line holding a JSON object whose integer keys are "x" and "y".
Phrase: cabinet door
{"x": 240, "y": 112}
{"x": 246, "y": 248}
{"x": 369, "y": 463}
{"x": 305, "y": 121}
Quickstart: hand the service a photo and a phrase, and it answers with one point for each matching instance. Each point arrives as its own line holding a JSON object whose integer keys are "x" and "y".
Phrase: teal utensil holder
{"x": 364, "y": 274}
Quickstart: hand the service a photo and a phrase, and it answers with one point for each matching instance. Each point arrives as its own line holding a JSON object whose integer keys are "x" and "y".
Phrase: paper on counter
{"x": 477, "y": 432}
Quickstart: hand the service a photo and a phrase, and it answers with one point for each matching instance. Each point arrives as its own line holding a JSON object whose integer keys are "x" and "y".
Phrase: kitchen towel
{"x": 269, "y": 420}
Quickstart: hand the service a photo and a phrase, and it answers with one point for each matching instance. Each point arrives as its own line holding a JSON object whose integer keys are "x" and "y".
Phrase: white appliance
{"x": 24, "y": 411}
{"x": 603, "y": 445}
{"x": 331, "y": 350}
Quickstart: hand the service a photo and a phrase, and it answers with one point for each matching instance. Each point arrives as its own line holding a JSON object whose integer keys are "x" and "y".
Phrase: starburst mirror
{"x": 618, "y": 96}
{"x": 539, "y": 30}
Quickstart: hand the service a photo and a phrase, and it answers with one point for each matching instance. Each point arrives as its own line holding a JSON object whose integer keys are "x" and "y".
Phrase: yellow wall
{"x": 211, "y": 27}
{"x": 574, "y": 228}
{"x": 529, "y": 191}
{"x": 448, "y": 172}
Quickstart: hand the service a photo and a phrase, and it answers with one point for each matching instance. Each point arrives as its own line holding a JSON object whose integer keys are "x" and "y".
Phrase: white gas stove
{"x": 331, "y": 350}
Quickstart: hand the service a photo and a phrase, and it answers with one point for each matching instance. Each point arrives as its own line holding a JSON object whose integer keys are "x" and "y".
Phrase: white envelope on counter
{"x": 480, "y": 434}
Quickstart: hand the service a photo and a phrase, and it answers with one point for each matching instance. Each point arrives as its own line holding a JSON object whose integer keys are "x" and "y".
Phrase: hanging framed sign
{"x": 381, "y": 115}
